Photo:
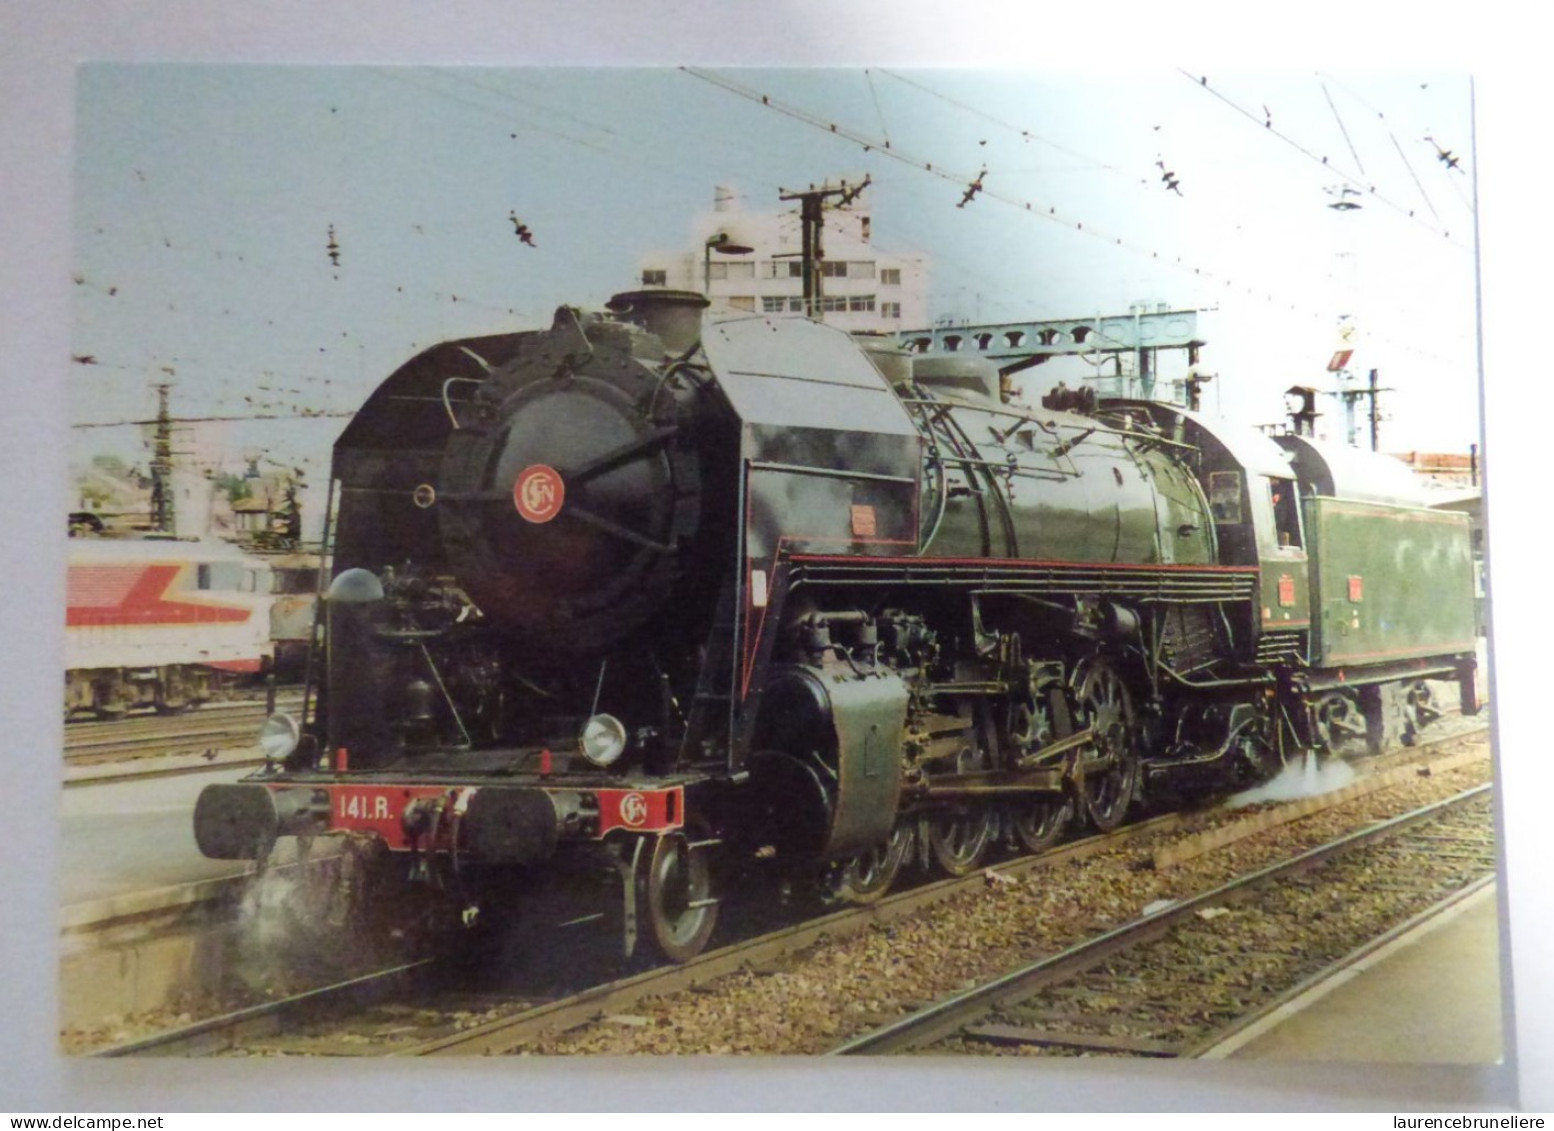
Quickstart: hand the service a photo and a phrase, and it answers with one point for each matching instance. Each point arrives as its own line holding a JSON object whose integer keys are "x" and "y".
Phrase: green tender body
{"x": 1390, "y": 583}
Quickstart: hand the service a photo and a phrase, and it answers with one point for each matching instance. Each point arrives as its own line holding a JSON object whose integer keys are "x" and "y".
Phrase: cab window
{"x": 1286, "y": 511}
{"x": 1225, "y": 496}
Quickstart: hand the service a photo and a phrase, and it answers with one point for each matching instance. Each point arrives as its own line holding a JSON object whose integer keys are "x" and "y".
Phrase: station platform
{"x": 1431, "y": 995}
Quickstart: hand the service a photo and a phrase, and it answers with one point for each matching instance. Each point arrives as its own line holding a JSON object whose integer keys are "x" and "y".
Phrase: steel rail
{"x": 217, "y": 1034}
{"x": 504, "y": 1034}
{"x": 946, "y": 1018}
{"x": 90, "y": 739}
{"x": 1225, "y": 1039}
{"x": 82, "y": 726}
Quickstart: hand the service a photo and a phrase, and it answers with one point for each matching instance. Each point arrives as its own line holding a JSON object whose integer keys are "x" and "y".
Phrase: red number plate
{"x": 375, "y": 809}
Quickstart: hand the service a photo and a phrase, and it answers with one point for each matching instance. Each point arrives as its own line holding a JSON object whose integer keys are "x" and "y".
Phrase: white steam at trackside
{"x": 1305, "y": 778}
{"x": 288, "y": 921}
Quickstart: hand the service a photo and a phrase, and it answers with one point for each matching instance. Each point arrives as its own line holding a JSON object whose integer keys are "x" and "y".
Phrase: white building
{"x": 757, "y": 265}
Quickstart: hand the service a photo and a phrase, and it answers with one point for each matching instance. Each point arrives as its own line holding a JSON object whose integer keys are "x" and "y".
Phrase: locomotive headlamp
{"x": 279, "y": 736}
{"x": 603, "y": 740}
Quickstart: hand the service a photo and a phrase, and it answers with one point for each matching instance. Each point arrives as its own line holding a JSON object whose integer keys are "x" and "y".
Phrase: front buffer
{"x": 467, "y": 838}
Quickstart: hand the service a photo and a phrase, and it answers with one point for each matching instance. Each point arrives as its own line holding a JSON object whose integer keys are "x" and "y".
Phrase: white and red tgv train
{"x": 162, "y": 623}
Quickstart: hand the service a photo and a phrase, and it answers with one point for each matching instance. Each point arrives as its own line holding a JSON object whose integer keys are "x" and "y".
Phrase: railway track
{"x": 1179, "y": 981}
{"x": 414, "y": 1012}
{"x": 143, "y": 739}
{"x": 499, "y": 1023}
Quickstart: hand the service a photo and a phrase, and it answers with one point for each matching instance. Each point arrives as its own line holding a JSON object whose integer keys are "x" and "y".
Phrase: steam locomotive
{"x": 664, "y": 601}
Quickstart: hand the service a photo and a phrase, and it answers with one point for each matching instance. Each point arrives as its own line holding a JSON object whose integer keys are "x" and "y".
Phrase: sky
{"x": 48, "y": 132}
{"x": 207, "y": 197}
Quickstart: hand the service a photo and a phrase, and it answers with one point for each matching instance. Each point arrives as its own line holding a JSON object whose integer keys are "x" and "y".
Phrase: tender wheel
{"x": 680, "y": 905}
{"x": 958, "y": 837}
{"x": 1111, "y": 772}
{"x": 868, "y": 876}
{"x": 1419, "y": 711}
{"x": 1336, "y": 721}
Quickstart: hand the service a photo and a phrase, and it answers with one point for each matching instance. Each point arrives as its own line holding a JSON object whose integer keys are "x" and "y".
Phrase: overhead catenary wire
{"x": 1339, "y": 118}
{"x": 878, "y": 110}
{"x": 1417, "y": 183}
{"x": 1382, "y": 117}
{"x": 1202, "y": 82}
{"x": 960, "y": 179}
{"x": 307, "y": 414}
{"x": 474, "y": 97}
{"x": 1024, "y": 134}
{"x": 1047, "y": 212}
{"x": 615, "y": 137}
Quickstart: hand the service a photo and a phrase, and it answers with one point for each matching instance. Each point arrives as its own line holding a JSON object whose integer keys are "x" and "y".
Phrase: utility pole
{"x": 163, "y": 518}
{"x": 1352, "y": 396}
{"x": 812, "y": 219}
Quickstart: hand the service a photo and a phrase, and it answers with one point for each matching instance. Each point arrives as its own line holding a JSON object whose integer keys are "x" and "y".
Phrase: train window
{"x": 225, "y": 577}
{"x": 1286, "y": 511}
{"x": 1225, "y": 496}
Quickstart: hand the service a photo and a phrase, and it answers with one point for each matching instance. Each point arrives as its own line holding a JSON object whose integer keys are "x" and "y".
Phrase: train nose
{"x": 566, "y": 516}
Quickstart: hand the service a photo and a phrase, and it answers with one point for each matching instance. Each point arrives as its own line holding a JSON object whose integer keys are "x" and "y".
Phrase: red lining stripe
{"x": 929, "y": 560}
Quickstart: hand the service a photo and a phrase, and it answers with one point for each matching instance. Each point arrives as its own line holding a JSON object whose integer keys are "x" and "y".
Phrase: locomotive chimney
{"x": 675, "y": 316}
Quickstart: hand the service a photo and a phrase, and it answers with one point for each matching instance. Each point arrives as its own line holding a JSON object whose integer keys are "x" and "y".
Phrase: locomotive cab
{"x": 1255, "y": 498}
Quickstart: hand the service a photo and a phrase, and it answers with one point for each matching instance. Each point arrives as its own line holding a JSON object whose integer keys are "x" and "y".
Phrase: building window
{"x": 860, "y": 302}
{"x": 890, "y": 310}
{"x": 784, "y": 269}
{"x": 890, "y": 276}
{"x": 654, "y": 278}
{"x": 773, "y": 304}
{"x": 796, "y": 304}
{"x": 833, "y": 302}
{"x": 742, "y": 302}
{"x": 834, "y": 269}
{"x": 744, "y": 269}
{"x": 717, "y": 270}
{"x": 863, "y": 270}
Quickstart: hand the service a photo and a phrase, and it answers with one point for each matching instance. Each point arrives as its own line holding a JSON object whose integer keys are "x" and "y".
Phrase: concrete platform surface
{"x": 131, "y": 836}
{"x": 1431, "y": 996}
